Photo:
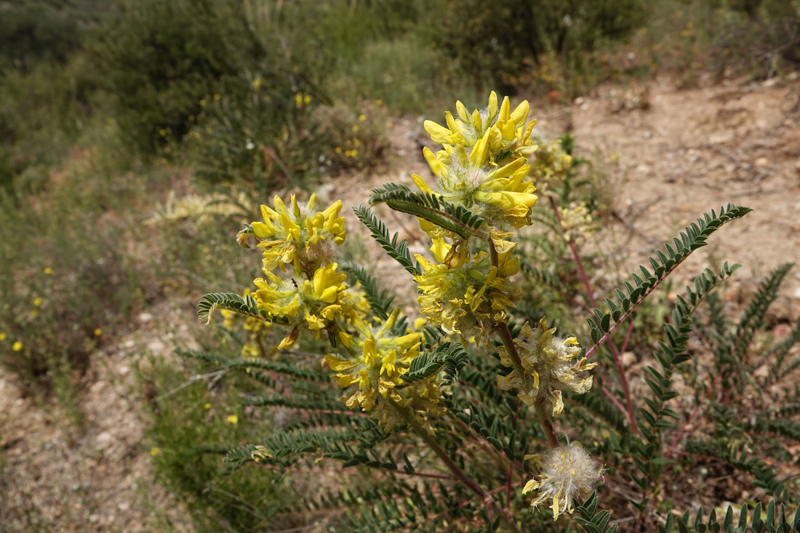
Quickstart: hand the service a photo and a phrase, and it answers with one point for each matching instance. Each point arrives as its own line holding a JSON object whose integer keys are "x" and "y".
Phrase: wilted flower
{"x": 549, "y": 165}
{"x": 568, "y": 472}
{"x": 577, "y": 223}
{"x": 548, "y": 365}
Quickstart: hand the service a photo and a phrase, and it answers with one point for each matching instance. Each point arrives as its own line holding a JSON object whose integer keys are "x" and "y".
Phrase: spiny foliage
{"x": 455, "y": 218}
{"x": 379, "y": 299}
{"x": 448, "y": 358}
{"x": 692, "y": 237}
{"x": 245, "y": 305}
{"x": 397, "y": 250}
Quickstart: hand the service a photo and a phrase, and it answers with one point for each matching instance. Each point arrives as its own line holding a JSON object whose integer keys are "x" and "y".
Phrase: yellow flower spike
{"x": 476, "y": 120}
{"x": 492, "y": 108}
{"x": 462, "y": 111}
{"x": 520, "y": 114}
{"x": 439, "y": 134}
{"x": 438, "y": 169}
{"x": 420, "y": 183}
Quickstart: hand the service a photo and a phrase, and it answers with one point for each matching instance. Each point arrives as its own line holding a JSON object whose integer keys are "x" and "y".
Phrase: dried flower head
{"x": 568, "y": 472}
{"x": 549, "y": 367}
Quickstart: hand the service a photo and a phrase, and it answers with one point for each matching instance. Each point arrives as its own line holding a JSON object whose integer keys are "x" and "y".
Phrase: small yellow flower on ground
{"x": 233, "y": 419}
{"x": 17, "y": 346}
{"x": 98, "y": 332}
{"x": 162, "y": 132}
{"x": 356, "y": 127}
{"x": 202, "y": 103}
{"x": 48, "y": 270}
{"x": 3, "y": 336}
{"x": 362, "y": 117}
{"x": 207, "y": 406}
{"x": 217, "y": 96}
{"x": 37, "y": 301}
{"x": 155, "y": 451}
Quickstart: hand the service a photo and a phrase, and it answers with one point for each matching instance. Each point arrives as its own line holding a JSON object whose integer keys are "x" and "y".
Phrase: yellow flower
{"x": 48, "y": 271}
{"x": 202, "y": 103}
{"x": 374, "y": 360}
{"x": 233, "y": 419}
{"x": 257, "y": 83}
{"x": 549, "y": 367}
{"x": 549, "y": 165}
{"x": 217, "y": 96}
{"x": 207, "y": 406}
{"x": 98, "y": 332}
{"x": 3, "y": 336}
{"x": 466, "y": 295}
{"x": 314, "y": 303}
{"x": 162, "y": 132}
{"x": 298, "y": 234}
{"x": 155, "y": 451}
{"x": 378, "y": 102}
{"x": 307, "y": 99}
{"x": 356, "y": 127}
{"x": 17, "y": 346}
{"x": 362, "y": 117}
{"x": 37, "y": 302}
{"x": 577, "y": 223}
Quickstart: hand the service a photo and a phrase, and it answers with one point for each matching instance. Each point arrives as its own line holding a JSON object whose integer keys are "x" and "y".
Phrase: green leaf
{"x": 431, "y": 207}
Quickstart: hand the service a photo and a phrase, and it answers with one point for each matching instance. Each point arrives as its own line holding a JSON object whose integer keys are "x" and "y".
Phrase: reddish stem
{"x": 627, "y": 338}
{"x": 607, "y": 338}
{"x": 614, "y": 400}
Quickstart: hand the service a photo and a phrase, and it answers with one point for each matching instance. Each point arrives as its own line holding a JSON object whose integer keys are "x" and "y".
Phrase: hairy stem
{"x": 462, "y": 476}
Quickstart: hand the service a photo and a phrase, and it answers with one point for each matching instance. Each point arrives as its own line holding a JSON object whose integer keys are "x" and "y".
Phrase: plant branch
{"x": 425, "y": 435}
{"x": 607, "y": 338}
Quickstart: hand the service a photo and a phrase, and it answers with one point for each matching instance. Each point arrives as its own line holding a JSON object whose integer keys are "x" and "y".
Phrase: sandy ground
{"x": 688, "y": 152}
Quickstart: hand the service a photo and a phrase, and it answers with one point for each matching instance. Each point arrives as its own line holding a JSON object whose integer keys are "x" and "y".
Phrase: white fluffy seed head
{"x": 568, "y": 472}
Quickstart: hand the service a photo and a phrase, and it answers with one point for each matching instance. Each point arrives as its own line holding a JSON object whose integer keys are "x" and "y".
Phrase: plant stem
{"x": 513, "y": 354}
{"x": 462, "y": 476}
{"x": 547, "y": 423}
{"x": 615, "y": 354}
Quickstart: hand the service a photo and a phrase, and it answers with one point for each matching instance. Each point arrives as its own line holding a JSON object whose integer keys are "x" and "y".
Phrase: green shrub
{"x": 160, "y": 59}
{"x": 502, "y": 41}
{"x": 192, "y": 424}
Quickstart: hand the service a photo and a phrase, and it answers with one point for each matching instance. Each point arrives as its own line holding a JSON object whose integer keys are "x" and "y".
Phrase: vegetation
{"x": 202, "y": 110}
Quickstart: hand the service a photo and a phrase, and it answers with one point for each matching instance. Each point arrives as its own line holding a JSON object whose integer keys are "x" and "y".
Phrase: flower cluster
{"x": 577, "y": 223}
{"x": 301, "y": 238}
{"x": 548, "y": 365}
{"x": 482, "y": 164}
{"x": 549, "y": 165}
{"x": 465, "y": 293}
{"x": 297, "y": 235}
{"x": 374, "y": 357}
{"x": 568, "y": 472}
